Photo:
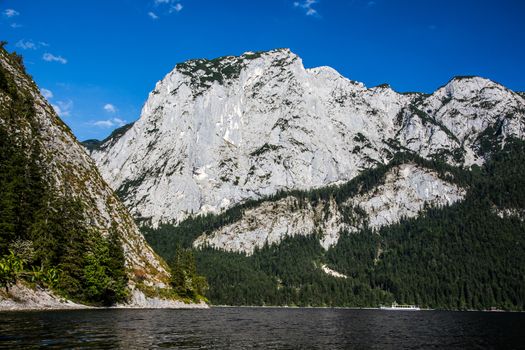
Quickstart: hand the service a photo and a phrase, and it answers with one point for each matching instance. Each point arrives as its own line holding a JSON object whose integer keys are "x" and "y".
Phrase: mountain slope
{"x": 94, "y": 144}
{"x": 297, "y": 186}
{"x": 405, "y": 190}
{"x": 462, "y": 255}
{"x": 214, "y": 133}
{"x": 57, "y": 206}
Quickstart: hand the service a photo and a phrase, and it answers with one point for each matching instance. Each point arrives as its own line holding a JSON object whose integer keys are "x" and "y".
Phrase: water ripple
{"x": 261, "y": 328}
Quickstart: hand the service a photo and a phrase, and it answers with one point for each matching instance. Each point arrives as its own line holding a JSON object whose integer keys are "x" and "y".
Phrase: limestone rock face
{"x": 216, "y": 132}
{"x": 406, "y": 190}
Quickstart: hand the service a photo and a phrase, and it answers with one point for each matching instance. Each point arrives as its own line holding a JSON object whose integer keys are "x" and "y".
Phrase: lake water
{"x": 261, "y": 328}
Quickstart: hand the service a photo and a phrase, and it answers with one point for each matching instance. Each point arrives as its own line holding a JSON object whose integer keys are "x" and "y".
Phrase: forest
{"x": 465, "y": 256}
{"x": 45, "y": 238}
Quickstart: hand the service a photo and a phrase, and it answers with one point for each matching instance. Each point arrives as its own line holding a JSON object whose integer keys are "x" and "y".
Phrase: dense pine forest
{"x": 465, "y": 256}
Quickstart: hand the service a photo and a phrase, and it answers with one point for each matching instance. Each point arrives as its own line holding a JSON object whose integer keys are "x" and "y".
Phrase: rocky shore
{"x": 21, "y": 297}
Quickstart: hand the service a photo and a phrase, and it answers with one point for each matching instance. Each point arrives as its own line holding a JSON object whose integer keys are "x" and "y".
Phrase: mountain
{"x": 214, "y": 133}
{"x": 442, "y": 237}
{"x": 406, "y": 189}
{"x": 94, "y": 144}
{"x": 61, "y": 225}
{"x": 299, "y": 186}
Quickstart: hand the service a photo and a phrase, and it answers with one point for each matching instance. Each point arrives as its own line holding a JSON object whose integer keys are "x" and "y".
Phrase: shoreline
{"x": 77, "y": 307}
{"x": 93, "y": 308}
{"x": 355, "y": 308}
{"x": 23, "y": 298}
{"x": 202, "y": 306}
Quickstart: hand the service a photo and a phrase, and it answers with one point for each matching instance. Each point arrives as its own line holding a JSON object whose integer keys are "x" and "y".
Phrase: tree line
{"x": 45, "y": 238}
{"x": 465, "y": 256}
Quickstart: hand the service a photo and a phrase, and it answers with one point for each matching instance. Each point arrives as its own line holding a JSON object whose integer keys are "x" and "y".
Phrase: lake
{"x": 261, "y": 328}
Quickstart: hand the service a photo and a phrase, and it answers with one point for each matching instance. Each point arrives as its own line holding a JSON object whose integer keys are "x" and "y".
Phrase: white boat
{"x": 398, "y": 307}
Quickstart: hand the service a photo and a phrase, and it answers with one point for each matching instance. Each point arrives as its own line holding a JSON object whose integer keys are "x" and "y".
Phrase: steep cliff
{"x": 297, "y": 186}
{"x": 65, "y": 183}
{"x": 406, "y": 190}
{"x": 214, "y": 133}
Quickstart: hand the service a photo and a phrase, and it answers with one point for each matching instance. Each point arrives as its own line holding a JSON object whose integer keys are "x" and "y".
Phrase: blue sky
{"x": 99, "y": 59}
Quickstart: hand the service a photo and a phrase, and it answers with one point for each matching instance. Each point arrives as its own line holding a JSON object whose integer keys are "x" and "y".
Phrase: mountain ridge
{"x": 464, "y": 254}
{"x": 77, "y": 236}
{"x": 296, "y": 186}
{"x": 261, "y": 120}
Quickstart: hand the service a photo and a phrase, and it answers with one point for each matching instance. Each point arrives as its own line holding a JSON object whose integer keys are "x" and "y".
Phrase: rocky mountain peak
{"x": 217, "y": 132}
{"x": 468, "y": 87}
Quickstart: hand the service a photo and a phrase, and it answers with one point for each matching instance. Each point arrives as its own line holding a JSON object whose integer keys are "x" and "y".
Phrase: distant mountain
{"x": 280, "y": 178}
{"x": 61, "y": 226}
{"x": 413, "y": 231}
{"x": 94, "y": 144}
{"x": 214, "y": 133}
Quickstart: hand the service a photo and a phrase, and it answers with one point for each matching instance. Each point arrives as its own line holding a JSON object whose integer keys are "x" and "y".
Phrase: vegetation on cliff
{"x": 45, "y": 237}
{"x": 465, "y": 256}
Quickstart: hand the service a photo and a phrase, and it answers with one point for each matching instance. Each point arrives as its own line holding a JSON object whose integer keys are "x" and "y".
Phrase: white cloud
{"x": 26, "y": 44}
{"x": 108, "y": 107}
{"x": 166, "y": 6}
{"x": 120, "y": 122}
{"x": 46, "y": 93}
{"x": 176, "y": 8}
{"x": 109, "y": 123}
{"x": 16, "y": 25}
{"x": 63, "y": 108}
{"x": 11, "y": 13}
{"x": 52, "y": 58}
{"x": 307, "y": 6}
{"x": 104, "y": 123}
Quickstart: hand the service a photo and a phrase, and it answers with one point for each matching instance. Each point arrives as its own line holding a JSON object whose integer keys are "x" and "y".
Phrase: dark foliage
{"x": 460, "y": 257}
{"x": 45, "y": 231}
